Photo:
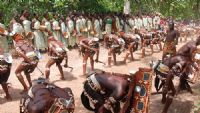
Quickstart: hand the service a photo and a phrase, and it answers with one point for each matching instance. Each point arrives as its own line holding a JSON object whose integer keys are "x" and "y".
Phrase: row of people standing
{"x": 67, "y": 30}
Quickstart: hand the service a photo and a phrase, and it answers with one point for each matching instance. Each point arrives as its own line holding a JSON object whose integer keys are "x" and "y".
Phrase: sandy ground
{"x": 183, "y": 103}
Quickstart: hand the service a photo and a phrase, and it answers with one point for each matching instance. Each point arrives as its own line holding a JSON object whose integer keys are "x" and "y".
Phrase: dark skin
{"x": 25, "y": 47}
{"x": 187, "y": 50}
{"x": 52, "y": 43}
{"x": 85, "y": 43}
{"x": 114, "y": 85}
{"x": 111, "y": 50}
{"x": 131, "y": 42}
{"x": 117, "y": 88}
{"x": 169, "y": 90}
{"x": 3, "y": 72}
{"x": 44, "y": 98}
{"x": 172, "y": 36}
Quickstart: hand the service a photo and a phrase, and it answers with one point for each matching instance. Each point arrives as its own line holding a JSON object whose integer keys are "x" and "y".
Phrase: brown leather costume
{"x": 113, "y": 42}
{"x": 84, "y": 50}
{"x": 106, "y": 90}
{"x": 57, "y": 50}
{"x": 4, "y": 70}
{"x": 44, "y": 97}
{"x": 27, "y": 49}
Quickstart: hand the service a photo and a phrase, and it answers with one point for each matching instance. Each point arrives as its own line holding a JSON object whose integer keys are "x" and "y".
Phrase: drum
{"x": 65, "y": 34}
{"x": 62, "y": 105}
{"x": 17, "y": 37}
{"x": 143, "y": 79}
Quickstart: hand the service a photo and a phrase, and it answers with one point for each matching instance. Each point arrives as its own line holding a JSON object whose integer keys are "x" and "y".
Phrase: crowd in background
{"x": 67, "y": 28}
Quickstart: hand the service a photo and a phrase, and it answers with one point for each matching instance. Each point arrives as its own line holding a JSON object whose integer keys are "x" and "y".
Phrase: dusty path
{"x": 182, "y": 104}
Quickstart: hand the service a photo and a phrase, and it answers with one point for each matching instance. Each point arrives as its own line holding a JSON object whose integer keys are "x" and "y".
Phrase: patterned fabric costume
{"x": 169, "y": 48}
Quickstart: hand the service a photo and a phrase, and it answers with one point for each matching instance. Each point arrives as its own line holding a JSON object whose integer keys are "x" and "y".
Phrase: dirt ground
{"x": 183, "y": 103}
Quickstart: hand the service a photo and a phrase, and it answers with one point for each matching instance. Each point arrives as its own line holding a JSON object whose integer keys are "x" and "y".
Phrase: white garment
{"x": 17, "y": 28}
{"x": 27, "y": 26}
{"x": 3, "y": 40}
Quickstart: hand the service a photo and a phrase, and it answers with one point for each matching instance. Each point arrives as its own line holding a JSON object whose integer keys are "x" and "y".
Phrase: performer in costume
{"x": 47, "y": 31}
{"x": 3, "y": 33}
{"x": 90, "y": 27}
{"x": 39, "y": 39}
{"x": 64, "y": 31}
{"x": 27, "y": 26}
{"x": 28, "y": 53}
{"x": 115, "y": 45}
{"x": 97, "y": 28}
{"x": 108, "y": 26}
{"x": 71, "y": 31}
{"x": 5, "y": 67}
{"x": 57, "y": 53}
{"x": 56, "y": 28}
{"x": 88, "y": 48}
{"x": 171, "y": 41}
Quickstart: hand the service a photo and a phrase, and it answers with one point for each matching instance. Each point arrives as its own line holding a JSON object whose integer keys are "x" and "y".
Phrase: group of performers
{"x": 118, "y": 33}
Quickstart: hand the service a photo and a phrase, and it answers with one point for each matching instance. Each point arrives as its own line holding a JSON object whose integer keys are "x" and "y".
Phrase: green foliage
{"x": 180, "y": 9}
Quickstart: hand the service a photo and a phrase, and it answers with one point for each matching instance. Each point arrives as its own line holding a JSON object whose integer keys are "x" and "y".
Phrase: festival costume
{"x": 5, "y": 68}
{"x": 108, "y": 26}
{"x": 57, "y": 51}
{"x": 47, "y": 98}
{"x": 84, "y": 27}
{"x": 78, "y": 26}
{"x": 127, "y": 27}
{"x": 27, "y": 29}
{"x": 56, "y": 30}
{"x": 97, "y": 29}
{"x": 156, "y": 22}
{"x": 71, "y": 29}
{"x": 64, "y": 32}
{"x": 169, "y": 48}
{"x": 150, "y": 21}
{"x": 118, "y": 26}
{"x": 47, "y": 26}
{"x": 84, "y": 50}
{"x": 140, "y": 23}
{"x": 29, "y": 51}
{"x": 39, "y": 40}
{"x": 3, "y": 39}
{"x": 90, "y": 28}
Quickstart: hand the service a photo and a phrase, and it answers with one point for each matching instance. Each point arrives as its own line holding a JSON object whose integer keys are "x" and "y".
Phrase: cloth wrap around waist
{"x": 4, "y": 70}
{"x": 169, "y": 47}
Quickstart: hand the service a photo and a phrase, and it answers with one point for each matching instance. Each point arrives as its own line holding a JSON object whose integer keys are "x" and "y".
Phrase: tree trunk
{"x": 127, "y": 8}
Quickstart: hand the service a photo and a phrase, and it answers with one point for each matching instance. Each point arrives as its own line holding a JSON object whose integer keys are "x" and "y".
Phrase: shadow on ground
{"x": 15, "y": 94}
